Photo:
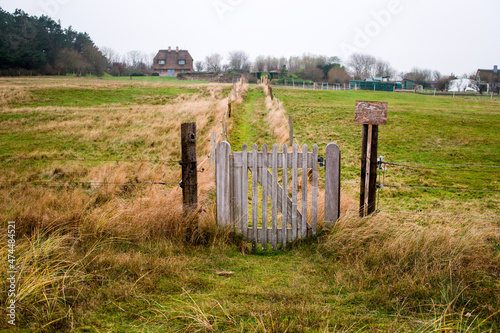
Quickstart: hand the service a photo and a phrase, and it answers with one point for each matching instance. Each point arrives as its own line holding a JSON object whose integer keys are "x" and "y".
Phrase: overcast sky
{"x": 456, "y": 36}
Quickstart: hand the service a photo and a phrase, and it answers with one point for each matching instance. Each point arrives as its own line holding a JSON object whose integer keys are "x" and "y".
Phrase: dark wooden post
{"x": 370, "y": 114}
{"x": 189, "y": 168}
{"x": 290, "y": 126}
{"x": 368, "y": 189}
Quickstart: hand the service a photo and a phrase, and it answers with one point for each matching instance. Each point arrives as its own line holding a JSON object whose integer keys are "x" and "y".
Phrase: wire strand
{"x": 444, "y": 165}
{"x": 83, "y": 184}
{"x": 438, "y": 215}
{"x": 440, "y": 189}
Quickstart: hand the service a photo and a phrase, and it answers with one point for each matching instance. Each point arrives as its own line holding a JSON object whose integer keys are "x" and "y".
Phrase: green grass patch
{"x": 420, "y": 129}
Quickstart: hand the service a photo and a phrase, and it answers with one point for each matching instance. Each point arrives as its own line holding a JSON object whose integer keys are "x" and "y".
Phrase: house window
{"x": 182, "y": 71}
{"x": 161, "y": 62}
{"x": 182, "y": 62}
{"x": 161, "y": 71}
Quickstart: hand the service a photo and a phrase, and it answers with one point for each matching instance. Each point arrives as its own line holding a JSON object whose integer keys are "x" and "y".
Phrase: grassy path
{"x": 249, "y": 122}
{"x": 293, "y": 291}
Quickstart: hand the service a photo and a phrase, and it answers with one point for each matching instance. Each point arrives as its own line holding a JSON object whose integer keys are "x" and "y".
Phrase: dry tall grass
{"x": 447, "y": 268}
{"x": 59, "y": 228}
{"x": 276, "y": 117}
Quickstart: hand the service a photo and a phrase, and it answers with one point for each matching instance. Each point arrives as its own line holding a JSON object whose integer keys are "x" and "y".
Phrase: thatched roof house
{"x": 172, "y": 62}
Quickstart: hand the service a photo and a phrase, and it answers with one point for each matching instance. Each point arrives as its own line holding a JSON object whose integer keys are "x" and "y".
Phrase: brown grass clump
{"x": 276, "y": 117}
{"x": 445, "y": 267}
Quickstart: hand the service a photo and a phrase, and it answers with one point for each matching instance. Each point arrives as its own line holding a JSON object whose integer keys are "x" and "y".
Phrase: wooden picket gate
{"x": 232, "y": 178}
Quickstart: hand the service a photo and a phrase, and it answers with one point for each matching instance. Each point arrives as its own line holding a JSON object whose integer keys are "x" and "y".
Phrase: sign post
{"x": 371, "y": 115}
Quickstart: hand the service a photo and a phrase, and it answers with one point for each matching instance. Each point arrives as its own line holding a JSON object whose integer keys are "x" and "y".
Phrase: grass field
{"x": 123, "y": 258}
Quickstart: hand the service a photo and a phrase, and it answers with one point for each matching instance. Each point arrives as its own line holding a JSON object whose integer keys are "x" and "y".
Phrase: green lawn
{"x": 420, "y": 129}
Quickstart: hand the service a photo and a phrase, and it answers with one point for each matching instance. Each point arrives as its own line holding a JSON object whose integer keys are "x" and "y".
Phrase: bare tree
{"x": 199, "y": 66}
{"x": 110, "y": 54}
{"x": 272, "y": 63}
{"x": 383, "y": 68}
{"x": 361, "y": 65}
{"x": 436, "y": 75}
{"x": 239, "y": 60}
{"x": 259, "y": 65}
{"x": 213, "y": 62}
{"x": 419, "y": 75}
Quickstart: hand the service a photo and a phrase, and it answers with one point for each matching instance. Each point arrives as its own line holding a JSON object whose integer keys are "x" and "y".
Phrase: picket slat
{"x": 274, "y": 198}
{"x": 295, "y": 161}
{"x": 304, "y": 192}
{"x": 314, "y": 209}
{"x": 223, "y": 180}
{"x": 255, "y": 198}
{"x": 244, "y": 191}
{"x": 284, "y": 199}
{"x": 264, "y": 195}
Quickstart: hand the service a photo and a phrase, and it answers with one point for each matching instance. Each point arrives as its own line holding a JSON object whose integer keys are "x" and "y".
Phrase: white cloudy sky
{"x": 456, "y": 36}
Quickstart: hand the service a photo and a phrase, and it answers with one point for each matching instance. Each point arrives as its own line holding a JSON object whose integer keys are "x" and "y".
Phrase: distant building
{"x": 376, "y": 84}
{"x": 170, "y": 62}
{"x": 489, "y": 77}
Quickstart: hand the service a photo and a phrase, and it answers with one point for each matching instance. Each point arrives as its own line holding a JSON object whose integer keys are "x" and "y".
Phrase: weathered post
{"x": 189, "y": 168}
{"x": 213, "y": 144}
{"x": 370, "y": 114}
{"x": 290, "y": 125}
{"x": 332, "y": 184}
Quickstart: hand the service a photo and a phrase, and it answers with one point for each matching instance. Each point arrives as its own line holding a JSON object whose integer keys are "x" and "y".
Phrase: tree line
{"x": 330, "y": 69}
{"x": 39, "y": 45}
{"x": 30, "y": 44}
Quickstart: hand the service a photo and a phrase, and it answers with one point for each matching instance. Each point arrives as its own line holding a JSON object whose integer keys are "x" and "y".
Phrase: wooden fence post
{"x": 189, "y": 168}
{"x": 368, "y": 189}
{"x": 290, "y": 125}
{"x": 223, "y": 185}
{"x": 213, "y": 145}
{"x": 332, "y": 184}
{"x": 371, "y": 115}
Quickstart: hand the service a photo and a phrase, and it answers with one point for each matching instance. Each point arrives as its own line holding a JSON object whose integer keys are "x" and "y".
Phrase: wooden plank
{"x": 294, "y": 191}
{"x": 314, "y": 208}
{"x": 213, "y": 146}
{"x": 264, "y": 196}
{"x": 237, "y": 197}
{"x": 372, "y": 197}
{"x": 367, "y": 170}
{"x": 244, "y": 191}
{"x": 290, "y": 126}
{"x": 255, "y": 198}
{"x": 370, "y": 169}
{"x": 304, "y": 192}
{"x": 274, "y": 198}
{"x": 222, "y": 181}
{"x": 280, "y": 203}
{"x": 232, "y": 191}
{"x": 284, "y": 200}
{"x": 310, "y": 160}
{"x": 364, "y": 139}
{"x": 332, "y": 184}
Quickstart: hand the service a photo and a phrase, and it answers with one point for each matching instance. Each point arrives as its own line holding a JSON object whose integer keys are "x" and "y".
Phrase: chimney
{"x": 495, "y": 69}
{"x": 169, "y": 48}
{"x": 177, "y": 49}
